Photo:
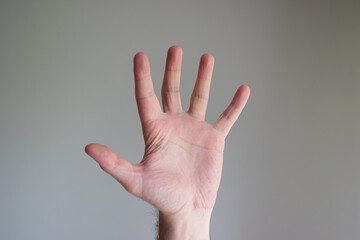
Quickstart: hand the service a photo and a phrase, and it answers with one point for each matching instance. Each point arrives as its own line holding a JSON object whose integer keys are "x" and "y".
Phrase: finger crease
{"x": 200, "y": 96}
{"x": 225, "y": 115}
{"x": 171, "y": 90}
{"x": 138, "y": 78}
{"x": 203, "y": 79}
{"x": 145, "y": 96}
{"x": 173, "y": 69}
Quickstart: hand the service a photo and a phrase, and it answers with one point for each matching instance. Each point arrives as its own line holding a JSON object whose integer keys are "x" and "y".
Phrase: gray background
{"x": 291, "y": 169}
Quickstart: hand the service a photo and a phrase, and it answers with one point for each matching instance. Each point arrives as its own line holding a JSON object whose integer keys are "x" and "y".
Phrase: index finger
{"x": 147, "y": 102}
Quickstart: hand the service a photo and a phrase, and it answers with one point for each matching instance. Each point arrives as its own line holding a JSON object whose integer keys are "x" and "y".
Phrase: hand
{"x": 181, "y": 168}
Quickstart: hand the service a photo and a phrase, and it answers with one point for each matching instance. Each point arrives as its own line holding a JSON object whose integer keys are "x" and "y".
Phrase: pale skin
{"x": 181, "y": 168}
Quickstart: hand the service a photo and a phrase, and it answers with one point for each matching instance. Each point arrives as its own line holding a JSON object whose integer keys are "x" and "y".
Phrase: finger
{"x": 232, "y": 112}
{"x": 147, "y": 102}
{"x": 127, "y": 174}
{"x": 170, "y": 89}
{"x": 200, "y": 95}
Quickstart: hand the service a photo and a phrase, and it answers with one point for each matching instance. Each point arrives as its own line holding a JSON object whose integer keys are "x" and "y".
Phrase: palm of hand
{"x": 182, "y": 163}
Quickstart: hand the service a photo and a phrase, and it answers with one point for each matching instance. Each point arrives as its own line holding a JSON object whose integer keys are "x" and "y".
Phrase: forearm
{"x": 192, "y": 225}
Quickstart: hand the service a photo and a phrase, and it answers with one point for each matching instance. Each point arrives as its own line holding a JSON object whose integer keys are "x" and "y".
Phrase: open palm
{"x": 182, "y": 163}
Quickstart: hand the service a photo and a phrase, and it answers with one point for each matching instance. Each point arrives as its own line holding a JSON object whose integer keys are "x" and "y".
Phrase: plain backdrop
{"x": 291, "y": 163}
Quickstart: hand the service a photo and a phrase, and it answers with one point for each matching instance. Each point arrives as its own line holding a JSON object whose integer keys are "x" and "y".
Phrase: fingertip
{"x": 245, "y": 86}
{"x": 207, "y": 57}
{"x": 206, "y": 65}
{"x": 175, "y": 49}
{"x": 93, "y": 149}
{"x": 245, "y": 89}
{"x": 89, "y": 148}
{"x": 139, "y": 55}
{"x": 242, "y": 95}
{"x": 101, "y": 154}
{"x": 140, "y": 58}
{"x": 174, "y": 58}
{"x": 141, "y": 65}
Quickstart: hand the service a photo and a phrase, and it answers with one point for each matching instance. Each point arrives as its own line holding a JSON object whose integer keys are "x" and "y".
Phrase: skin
{"x": 181, "y": 168}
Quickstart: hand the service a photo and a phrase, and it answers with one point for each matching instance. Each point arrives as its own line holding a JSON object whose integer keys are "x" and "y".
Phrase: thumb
{"x": 124, "y": 172}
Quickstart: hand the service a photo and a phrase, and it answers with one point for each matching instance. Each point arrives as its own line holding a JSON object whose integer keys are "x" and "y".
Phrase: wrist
{"x": 188, "y": 225}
